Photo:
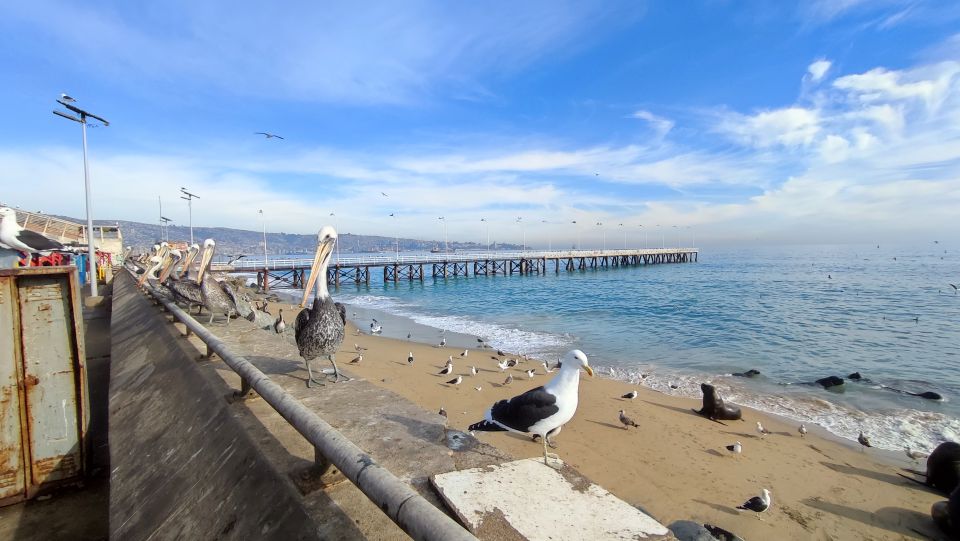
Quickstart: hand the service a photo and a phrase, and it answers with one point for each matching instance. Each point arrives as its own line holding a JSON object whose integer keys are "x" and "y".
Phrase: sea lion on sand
{"x": 714, "y": 408}
{"x": 943, "y": 468}
{"x": 748, "y": 374}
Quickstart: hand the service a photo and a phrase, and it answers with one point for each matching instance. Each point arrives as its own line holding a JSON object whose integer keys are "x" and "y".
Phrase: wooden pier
{"x": 293, "y": 272}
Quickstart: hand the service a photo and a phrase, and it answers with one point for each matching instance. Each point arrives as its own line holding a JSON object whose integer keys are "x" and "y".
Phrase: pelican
{"x": 217, "y": 297}
{"x": 187, "y": 262}
{"x": 184, "y": 291}
{"x": 319, "y": 329}
{"x": 279, "y": 325}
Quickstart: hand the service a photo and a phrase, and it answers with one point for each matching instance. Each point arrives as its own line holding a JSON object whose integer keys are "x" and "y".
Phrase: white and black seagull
{"x": 736, "y": 448}
{"x": 543, "y": 410}
{"x": 267, "y": 135}
{"x": 14, "y": 237}
{"x": 410, "y": 358}
{"x": 630, "y": 396}
{"x": 757, "y": 504}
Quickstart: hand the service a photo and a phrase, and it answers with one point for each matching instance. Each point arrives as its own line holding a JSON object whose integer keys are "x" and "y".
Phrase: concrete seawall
{"x": 182, "y": 466}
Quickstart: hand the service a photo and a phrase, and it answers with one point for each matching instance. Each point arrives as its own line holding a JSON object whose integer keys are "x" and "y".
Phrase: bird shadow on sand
{"x": 687, "y": 411}
{"x": 727, "y": 510}
{"x": 741, "y": 434}
{"x": 611, "y": 425}
{"x": 713, "y": 452}
{"x": 847, "y": 469}
{"x": 894, "y": 519}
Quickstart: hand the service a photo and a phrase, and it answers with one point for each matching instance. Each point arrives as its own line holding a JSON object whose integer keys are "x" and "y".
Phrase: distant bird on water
{"x": 319, "y": 329}
{"x": 627, "y": 422}
{"x": 862, "y": 440}
{"x": 267, "y": 135}
{"x": 802, "y": 430}
{"x": 757, "y": 504}
{"x": 954, "y": 286}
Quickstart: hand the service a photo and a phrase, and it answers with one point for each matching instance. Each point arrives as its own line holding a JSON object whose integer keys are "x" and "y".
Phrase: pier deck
{"x": 406, "y": 266}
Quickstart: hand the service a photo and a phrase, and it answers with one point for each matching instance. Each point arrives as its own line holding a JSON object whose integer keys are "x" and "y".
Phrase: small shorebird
{"x": 627, "y": 422}
{"x": 862, "y": 440}
{"x": 410, "y": 358}
{"x": 456, "y": 381}
{"x": 802, "y": 430}
{"x": 736, "y": 448}
{"x": 916, "y": 456}
{"x": 757, "y": 504}
{"x": 763, "y": 431}
{"x": 509, "y": 380}
{"x": 631, "y": 395}
{"x": 357, "y": 359}
{"x": 532, "y": 372}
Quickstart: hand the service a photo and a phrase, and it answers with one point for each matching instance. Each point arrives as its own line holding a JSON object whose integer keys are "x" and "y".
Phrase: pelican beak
{"x": 323, "y": 252}
{"x": 167, "y": 267}
{"x": 204, "y": 262}
{"x": 589, "y": 370}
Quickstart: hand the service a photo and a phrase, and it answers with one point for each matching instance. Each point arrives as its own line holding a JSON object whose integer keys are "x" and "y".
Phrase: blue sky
{"x": 734, "y": 122}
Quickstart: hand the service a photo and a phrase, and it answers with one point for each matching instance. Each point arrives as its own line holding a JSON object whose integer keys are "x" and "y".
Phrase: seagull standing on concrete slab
{"x": 543, "y": 410}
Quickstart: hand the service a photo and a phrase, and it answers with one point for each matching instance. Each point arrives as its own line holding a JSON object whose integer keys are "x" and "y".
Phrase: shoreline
{"x": 675, "y": 465}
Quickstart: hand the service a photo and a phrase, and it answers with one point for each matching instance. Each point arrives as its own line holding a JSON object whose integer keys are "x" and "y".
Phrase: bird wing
{"x": 753, "y": 504}
{"x": 523, "y": 411}
{"x": 37, "y": 241}
{"x": 278, "y": 137}
{"x": 343, "y": 311}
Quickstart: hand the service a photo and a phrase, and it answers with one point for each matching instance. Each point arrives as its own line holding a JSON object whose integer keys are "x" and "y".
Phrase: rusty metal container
{"x": 43, "y": 387}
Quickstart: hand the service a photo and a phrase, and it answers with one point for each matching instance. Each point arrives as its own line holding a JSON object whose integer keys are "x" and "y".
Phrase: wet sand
{"x": 675, "y": 465}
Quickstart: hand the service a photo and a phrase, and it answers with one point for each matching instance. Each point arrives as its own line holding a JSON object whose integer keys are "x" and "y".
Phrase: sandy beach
{"x": 674, "y": 465}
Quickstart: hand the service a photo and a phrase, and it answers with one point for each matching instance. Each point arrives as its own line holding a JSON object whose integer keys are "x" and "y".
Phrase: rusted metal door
{"x": 49, "y": 365}
{"x": 12, "y": 470}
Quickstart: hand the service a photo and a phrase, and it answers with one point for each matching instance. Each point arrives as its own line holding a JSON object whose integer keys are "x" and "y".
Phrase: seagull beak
{"x": 589, "y": 370}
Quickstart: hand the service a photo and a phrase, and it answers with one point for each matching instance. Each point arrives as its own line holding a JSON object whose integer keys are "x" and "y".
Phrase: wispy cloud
{"x": 818, "y": 69}
{"x": 660, "y": 124}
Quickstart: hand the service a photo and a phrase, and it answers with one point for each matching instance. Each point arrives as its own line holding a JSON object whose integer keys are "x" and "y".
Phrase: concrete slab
{"x": 526, "y": 499}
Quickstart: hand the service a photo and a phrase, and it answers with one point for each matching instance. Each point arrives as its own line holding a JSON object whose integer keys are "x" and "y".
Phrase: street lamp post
{"x": 624, "y": 236}
{"x": 165, "y": 230}
{"x": 82, "y": 119}
{"x": 446, "y": 246}
{"x": 396, "y": 234}
{"x": 488, "y": 232}
{"x": 644, "y": 236}
{"x": 578, "y": 233}
{"x": 523, "y": 233}
{"x": 189, "y": 197}
{"x": 263, "y": 221}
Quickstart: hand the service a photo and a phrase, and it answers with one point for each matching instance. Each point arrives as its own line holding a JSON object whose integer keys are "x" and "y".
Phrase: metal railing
{"x": 427, "y": 258}
{"x": 409, "y": 510}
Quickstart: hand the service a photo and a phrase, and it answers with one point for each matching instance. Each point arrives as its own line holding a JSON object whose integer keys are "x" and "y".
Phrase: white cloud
{"x": 789, "y": 127}
{"x": 818, "y": 69}
{"x": 660, "y": 124}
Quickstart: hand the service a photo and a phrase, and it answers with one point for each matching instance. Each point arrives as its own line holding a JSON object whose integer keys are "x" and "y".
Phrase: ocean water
{"x": 796, "y": 314}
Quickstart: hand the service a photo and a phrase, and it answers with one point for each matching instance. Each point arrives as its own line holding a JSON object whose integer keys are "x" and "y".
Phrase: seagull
{"x": 442, "y": 412}
{"x": 627, "y": 422}
{"x": 757, "y": 504}
{"x": 384, "y": 194}
{"x": 474, "y": 371}
{"x": 543, "y": 410}
{"x": 530, "y": 373}
{"x": 357, "y": 359}
{"x": 736, "y": 448}
{"x": 375, "y": 327}
{"x": 410, "y": 358}
{"x": 443, "y": 342}
{"x": 279, "y": 325}
{"x": 358, "y": 347}
{"x": 916, "y": 456}
{"x": 465, "y": 353}
{"x": 478, "y": 388}
{"x": 502, "y": 354}
{"x": 447, "y": 370}
{"x": 66, "y": 98}
{"x": 631, "y": 395}
{"x": 954, "y": 286}
{"x": 763, "y": 431}
{"x": 455, "y": 381}
{"x": 509, "y": 380}
{"x": 546, "y": 368}
{"x": 408, "y": 337}
{"x": 267, "y": 135}
{"x": 14, "y": 237}
{"x": 863, "y": 440}
{"x": 802, "y": 430}
{"x": 503, "y": 365}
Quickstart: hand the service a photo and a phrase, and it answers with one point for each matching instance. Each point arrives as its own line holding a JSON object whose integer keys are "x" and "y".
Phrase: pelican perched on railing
{"x": 319, "y": 329}
{"x": 218, "y": 297}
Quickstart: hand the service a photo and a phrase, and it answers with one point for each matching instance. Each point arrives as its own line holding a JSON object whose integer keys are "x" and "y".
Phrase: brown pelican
{"x": 319, "y": 329}
{"x": 279, "y": 325}
{"x": 218, "y": 297}
{"x": 185, "y": 267}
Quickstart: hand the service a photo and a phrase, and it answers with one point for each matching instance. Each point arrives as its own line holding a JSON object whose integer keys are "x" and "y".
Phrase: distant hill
{"x": 240, "y": 241}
